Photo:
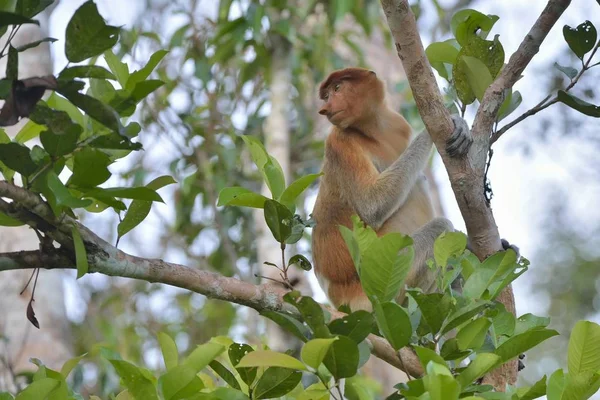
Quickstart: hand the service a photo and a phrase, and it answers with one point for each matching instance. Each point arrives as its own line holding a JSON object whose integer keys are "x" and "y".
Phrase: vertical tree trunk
{"x": 22, "y": 341}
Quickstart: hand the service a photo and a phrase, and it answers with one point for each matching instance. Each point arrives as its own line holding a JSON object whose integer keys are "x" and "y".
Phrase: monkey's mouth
{"x": 330, "y": 116}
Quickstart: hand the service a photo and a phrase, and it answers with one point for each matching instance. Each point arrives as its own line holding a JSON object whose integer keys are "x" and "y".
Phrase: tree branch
{"x": 108, "y": 260}
{"x": 467, "y": 174}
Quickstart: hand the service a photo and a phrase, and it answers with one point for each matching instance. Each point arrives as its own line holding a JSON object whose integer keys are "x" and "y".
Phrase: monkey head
{"x": 351, "y": 96}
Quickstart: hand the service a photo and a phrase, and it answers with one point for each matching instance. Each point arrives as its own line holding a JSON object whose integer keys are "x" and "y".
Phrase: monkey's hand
{"x": 461, "y": 139}
{"x": 506, "y": 245}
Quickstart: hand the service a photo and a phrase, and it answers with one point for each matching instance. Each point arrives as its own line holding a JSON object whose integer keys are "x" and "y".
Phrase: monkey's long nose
{"x": 323, "y": 111}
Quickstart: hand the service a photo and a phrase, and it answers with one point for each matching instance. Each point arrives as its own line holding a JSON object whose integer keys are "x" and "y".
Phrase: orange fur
{"x": 366, "y": 138}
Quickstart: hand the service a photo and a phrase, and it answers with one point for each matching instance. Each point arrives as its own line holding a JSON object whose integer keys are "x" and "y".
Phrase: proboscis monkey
{"x": 373, "y": 169}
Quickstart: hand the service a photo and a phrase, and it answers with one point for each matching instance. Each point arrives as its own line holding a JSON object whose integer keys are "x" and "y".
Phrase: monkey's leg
{"x": 420, "y": 275}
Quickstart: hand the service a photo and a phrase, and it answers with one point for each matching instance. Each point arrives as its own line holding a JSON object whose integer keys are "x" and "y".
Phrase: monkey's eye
{"x": 337, "y": 87}
{"x": 326, "y": 96}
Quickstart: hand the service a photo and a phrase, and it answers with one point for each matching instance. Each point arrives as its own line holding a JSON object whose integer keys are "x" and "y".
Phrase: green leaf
{"x": 17, "y": 157}
{"x": 39, "y": 389}
{"x": 80, "y": 253}
{"x": 268, "y": 358}
{"x": 291, "y": 193}
{"x": 30, "y": 8}
{"x": 472, "y": 335}
{"x": 426, "y": 355}
{"x": 580, "y": 39}
{"x": 556, "y": 385}
{"x": 70, "y": 364}
{"x": 434, "y": 307}
{"x": 568, "y": 71}
{"x": 314, "y": 351}
{"x": 142, "y": 74}
{"x": 352, "y": 245}
{"x": 85, "y": 71}
{"x": 442, "y": 54}
{"x": 135, "y": 380}
{"x": 342, "y": 358}
{"x": 90, "y": 168}
{"x": 311, "y": 312}
{"x": 440, "y": 383}
{"x": 236, "y": 352}
{"x": 357, "y": 325}
{"x": 8, "y": 18}
{"x": 521, "y": 343}
{"x": 481, "y": 365}
{"x": 139, "y": 209}
{"x": 267, "y": 165}
{"x": 584, "y": 348}
{"x": 537, "y": 390}
{"x": 35, "y": 44}
{"x": 276, "y": 382}
{"x": 87, "y": 34}
{"x": 510, "y": 104}
{"x": 169, "y": 350}
{"x": 5, "y": 220}
{"x": 94, "y": 108}
{"x": 29, "y": 131}
{"x": 468, "y": 23}
{"x": 239, "y": 196}
{"x": 225, "y": 374}
{"x": 578, "y": 104}
{"x": 581, "y": 386}
{"x": 463, "y": 314}
{"x": 289, "y": 323}
{"x": 448, "y": 244}
{"x": 203, "y": 355}
{"x": 279, "y": 220}
{"x": 301, "y": 261}
{"x": 119, "y": 68}
{"x": 135, "y": 193}
{"x": 59, "y": 144}
{"x": 477, "y": 75}
{"x": 384, "y": 267}
{"x": 62, "y": 194}
{"x": 504, "y": 324}
{"x": 181, "y": 382}
{"x": 393, "y": 322}
{"x": 529, "y": 321}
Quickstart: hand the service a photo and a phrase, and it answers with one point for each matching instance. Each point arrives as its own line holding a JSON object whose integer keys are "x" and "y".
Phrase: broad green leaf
{"x": 276, "y": 382}
{"x": 17, "y": 157}
{"x": 62, "y": 194}
{"x": 581, "y": 386}
{"x": 70, "y": 364}
{"x": 529, "y": 321}
{"x": 578, "y": 104}
{"x": 481, "y": 365}
{"x": 139, "y": 209}
{"x": 35, "y": 43}
{"x": 584, "y": 348}
{"x": 60, "y": 103}
{"x": 357, "y": 325}
{"x": 268, "y": 358}
{"x": 342, "y": 358}
{"x": 87, "y": 34}
{"x": 135, "y": 193}
{"x": 568, "y": 71}
{"x": 291, "y": 193}
{"x": 312, "y": 313}
{"x": 181, "y": 382}
{"x": 477, "y": 74}
{"x": 142, "y": 74}
{"x": 426, "y": 355}
{"x": 5, "y": 220}
{"x": 504, "y": 324}
{"x": 8, "y": 396}
{"x": 202, "y": 355}
{"x": 279, "y": 220}
{"x": 472, "y": 335}
{"x": 434, "y": 307}
{"x": 236, "y": 352}
{"x": 463, "y": 314}
{"x": 440, "y": 383}
{"x": 30, "y": 8}
{"x": 314, "y": 351}
{"x": 239, "y": 196}
{"x": 9, "y": 18}
{"x": 267, "y": 165}
{"x": 537, "y": 390}
{"x": 384, "y": 267}
{"x": 580, "y": 39}
{"x": 352, "y": 245}
{"x": 135, "y": 380}
{"x": 448, "y": 244}
{"x": 4, "y": 170}
{"x": 59, "y": 144}
{"x": 468, "y": 23}
{"x": 521, "y": 343}
{"x": 442, "y": 55}
{"x": 39, "y": 389}
{"x": 556, "y": 385}
{"x": 119, "y": 68}
{"x": 169, "y": 350}
{"x": 95, "y": 109}
{"x": 225, "y": 374}
{"x": 85, "y": 71}
{"x": 510, "y": 104}
{"x": 393, "y": 322}
{"x": 287, "y": 322}
{"x": 90, "y": 168}
{"x": 300, "y": 261}
{"x": 80, "y": 253}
